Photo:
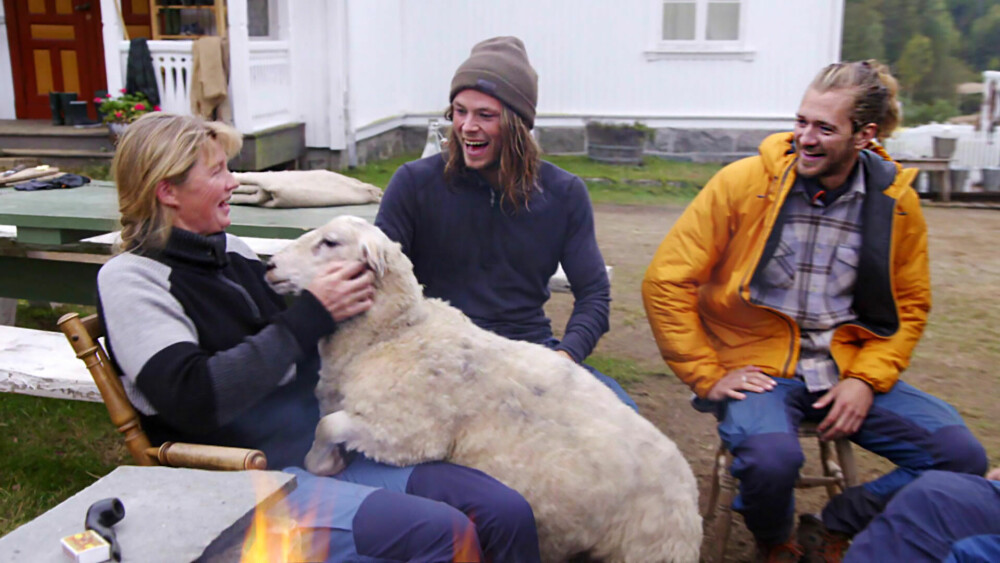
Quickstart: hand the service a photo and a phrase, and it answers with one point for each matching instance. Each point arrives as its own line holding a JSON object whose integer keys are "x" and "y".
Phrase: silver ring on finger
{"x": 744, "y": 379}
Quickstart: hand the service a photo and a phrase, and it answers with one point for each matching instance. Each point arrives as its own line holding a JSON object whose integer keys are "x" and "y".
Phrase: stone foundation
{"x": 695, "y": 145}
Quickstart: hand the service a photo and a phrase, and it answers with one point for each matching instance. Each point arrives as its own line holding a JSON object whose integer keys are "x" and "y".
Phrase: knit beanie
{"x": 499, "y": 67}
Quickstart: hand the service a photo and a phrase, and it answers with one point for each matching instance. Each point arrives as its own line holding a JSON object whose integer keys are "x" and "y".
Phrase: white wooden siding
{"x": 6, "y": 72}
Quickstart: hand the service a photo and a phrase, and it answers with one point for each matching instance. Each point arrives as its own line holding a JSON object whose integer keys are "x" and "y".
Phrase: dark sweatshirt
{"x": 494, "y": 263}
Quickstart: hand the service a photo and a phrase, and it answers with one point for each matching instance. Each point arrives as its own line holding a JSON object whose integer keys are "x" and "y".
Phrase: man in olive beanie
{"x": 499, "y": 67}
{"x": 487, "y": 222}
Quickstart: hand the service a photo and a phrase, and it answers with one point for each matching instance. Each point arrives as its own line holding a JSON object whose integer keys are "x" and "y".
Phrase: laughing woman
{"x": 210, "y": 354}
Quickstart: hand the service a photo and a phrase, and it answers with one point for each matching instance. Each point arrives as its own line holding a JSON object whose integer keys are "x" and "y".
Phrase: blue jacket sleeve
{"x": 396, "y": 212}
{"x": 584, "y": 266}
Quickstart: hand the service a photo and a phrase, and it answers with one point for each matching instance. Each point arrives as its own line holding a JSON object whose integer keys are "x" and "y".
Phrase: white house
{"x": 712, "y": 76}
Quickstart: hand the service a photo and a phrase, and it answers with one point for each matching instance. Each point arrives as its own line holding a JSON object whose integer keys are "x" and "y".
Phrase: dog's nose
{"x": 270, "y": 265}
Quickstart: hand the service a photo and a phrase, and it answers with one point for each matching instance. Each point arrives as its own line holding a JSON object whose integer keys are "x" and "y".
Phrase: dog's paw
{"x": 325, "y": 460}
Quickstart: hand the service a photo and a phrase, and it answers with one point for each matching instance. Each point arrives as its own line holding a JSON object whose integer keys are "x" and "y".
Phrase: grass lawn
{"x": 655, "y": 182}
{"x": 52, "y": 448}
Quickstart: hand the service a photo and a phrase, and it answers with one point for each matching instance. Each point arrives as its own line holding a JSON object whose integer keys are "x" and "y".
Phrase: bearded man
{"x": 794, "y": 288}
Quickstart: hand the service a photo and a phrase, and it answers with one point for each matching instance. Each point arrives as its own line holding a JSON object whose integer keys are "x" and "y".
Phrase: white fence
{"x": 172, "y": 62}
{"x": 270, "y": 85}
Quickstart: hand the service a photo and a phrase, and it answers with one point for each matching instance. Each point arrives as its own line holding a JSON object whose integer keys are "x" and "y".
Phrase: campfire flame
{"x": 465, "y": 545}
{"x": 273, "y": 536}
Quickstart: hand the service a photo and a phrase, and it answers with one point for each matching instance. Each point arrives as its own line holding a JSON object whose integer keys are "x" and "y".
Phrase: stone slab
{"x": 171, "y": 515}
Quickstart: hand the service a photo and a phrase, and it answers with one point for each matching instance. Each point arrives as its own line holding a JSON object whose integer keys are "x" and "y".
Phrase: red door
{"x": 55, "y": 47}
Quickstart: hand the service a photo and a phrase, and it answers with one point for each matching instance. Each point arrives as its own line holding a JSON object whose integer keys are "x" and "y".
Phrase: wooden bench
{"x": 266, "y": 247}
{"x": 41, "y": 363}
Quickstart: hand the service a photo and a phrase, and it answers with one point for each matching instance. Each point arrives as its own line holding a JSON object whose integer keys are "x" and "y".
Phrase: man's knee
{"x": 396, "y": 526}
{"x": 768, "y": 461}
{"x": 506, "y": 509}
{"x": 960, "y": 451}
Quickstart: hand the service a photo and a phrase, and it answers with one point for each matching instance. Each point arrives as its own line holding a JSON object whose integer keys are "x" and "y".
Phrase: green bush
{"x": 939, "y": 111}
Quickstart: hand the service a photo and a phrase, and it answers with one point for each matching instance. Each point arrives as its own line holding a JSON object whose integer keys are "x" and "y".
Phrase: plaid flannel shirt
{"x": 812, "y": 273}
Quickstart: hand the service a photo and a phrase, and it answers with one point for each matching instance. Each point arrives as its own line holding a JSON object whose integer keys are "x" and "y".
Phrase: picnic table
{"x": 932, "y": 166}
{"x": 54, "y": 257}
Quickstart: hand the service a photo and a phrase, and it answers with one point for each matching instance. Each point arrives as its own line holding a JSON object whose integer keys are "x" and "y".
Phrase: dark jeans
{"x": 606, "y": 380}
{"x": 941, "y": 516}
{"x": 913, "y": 429}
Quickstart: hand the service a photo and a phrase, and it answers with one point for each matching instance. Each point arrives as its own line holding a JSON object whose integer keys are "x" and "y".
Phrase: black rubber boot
{"x": 76, "y": 114}
{"x": 64, "y": 99}
{"x": 55, "y": 104}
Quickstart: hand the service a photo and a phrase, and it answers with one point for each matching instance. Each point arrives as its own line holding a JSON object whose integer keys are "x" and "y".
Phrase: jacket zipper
{"x": 745, "y": 281}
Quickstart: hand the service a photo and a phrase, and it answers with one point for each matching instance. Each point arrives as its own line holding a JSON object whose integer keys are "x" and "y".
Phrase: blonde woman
{"x": 210, "y": 354}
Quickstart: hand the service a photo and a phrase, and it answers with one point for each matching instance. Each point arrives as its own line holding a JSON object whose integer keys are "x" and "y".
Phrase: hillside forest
{"x": 932, "y": 46}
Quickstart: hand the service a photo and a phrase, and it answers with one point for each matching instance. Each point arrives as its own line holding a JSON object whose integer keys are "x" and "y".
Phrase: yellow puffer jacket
{"x": 697, "y": 288}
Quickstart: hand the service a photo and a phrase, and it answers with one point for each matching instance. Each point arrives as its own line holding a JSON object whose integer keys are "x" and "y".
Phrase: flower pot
{"x": 615, "y": 144}
{"x": 116, "y": 130}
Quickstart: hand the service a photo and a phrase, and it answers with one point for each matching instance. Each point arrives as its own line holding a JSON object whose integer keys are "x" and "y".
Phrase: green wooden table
{"x": 47, "y": 261}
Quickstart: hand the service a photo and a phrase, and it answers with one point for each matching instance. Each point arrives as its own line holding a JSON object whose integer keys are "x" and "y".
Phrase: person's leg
{"x": 504, "y": 521}
{"x": 940, "y": 514}
{"x": 977, "y": 549}
{"x": 616, "y": 387}
{"x": 340, "y": 521}
{"x": 761, "y": 432}
{"x": 917, "y": 432}
{"x": 608, "y": 381}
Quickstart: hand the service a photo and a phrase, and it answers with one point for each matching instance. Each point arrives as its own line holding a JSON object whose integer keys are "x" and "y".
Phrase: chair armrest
{"x": 200, "y": 456}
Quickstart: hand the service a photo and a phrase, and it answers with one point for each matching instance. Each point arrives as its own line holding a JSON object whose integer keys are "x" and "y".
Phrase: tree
{"x": 863, "y": 32}
{"x": 985, "y": 39}
{"x": 914, "y": 63}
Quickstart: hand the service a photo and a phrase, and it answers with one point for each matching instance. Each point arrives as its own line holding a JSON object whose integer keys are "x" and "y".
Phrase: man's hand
{"x": 344, "y": 288}
{"x": 747, "y": 378}
{"x": 566, "y": 355}
{"x": 994, "y": 475}
{"x": 851, "y": 399}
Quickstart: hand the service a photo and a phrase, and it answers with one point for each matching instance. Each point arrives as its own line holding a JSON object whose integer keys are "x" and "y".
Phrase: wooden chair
{"x": 839, "y": 472}
{"x": 83, "y": 335}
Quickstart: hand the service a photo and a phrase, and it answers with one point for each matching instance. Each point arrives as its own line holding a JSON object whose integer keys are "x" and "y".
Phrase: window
{"x": 264, "y": 19}
{"x": 699, "y": 26}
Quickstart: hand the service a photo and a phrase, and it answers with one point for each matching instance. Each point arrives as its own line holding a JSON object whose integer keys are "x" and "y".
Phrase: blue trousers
{"x": 429, "y": 512}
{"x": 609, "y": 382}
{"x": 913, "y": 429}
{"x": 940, "y": 516}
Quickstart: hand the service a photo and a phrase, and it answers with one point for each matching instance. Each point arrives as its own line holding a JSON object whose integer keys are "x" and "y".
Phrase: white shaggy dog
{"x": 414, "y": 380}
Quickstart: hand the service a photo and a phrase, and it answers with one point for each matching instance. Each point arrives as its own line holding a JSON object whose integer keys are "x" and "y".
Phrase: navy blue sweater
{"x": 493, "y": 262}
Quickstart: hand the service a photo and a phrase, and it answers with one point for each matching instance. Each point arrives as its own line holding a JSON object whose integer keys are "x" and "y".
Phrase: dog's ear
{"x": 374, "y": 255}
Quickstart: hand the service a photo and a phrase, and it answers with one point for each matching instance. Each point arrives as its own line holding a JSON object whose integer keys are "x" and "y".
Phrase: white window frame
{"x": 699, "y": 47}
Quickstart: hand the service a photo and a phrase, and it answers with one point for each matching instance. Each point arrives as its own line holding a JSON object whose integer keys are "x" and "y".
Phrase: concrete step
{"x": 63, "y": 158}
{"x": 41, "y": 134}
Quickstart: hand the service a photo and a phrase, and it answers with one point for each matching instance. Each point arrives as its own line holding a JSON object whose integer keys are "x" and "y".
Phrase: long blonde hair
{"x": 519, "y": 159}
{"x": 874, "y": 90}
{"x": 160, "y": 146}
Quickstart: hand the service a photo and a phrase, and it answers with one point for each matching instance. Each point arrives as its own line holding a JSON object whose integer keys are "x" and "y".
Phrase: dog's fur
{"x": 414, "y": 380}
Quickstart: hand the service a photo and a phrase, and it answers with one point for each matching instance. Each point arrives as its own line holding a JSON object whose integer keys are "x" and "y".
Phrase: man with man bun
{"x": 794, "y": 288}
